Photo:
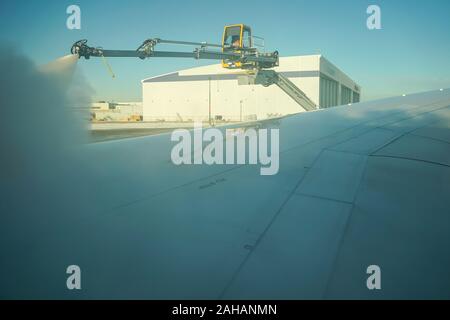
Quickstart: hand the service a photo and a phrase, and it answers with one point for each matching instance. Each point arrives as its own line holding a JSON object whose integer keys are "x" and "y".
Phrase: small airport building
{"x": 212, "y": 91}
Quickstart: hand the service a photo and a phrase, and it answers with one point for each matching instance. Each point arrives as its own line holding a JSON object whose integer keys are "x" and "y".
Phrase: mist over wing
{"x": 40, "y": 131}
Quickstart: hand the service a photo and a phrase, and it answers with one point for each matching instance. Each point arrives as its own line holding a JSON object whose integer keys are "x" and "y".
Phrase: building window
{"x": 328, "y": 92}
{"x": 346, "y": 95}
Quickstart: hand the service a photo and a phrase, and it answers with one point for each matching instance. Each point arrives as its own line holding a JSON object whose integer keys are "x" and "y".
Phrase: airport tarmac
{"x": 105, "y": 131}
{"x": 116, "y": 134}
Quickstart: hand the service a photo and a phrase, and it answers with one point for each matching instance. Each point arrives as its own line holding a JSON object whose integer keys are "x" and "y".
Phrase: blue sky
{"x": 411, "y": 52}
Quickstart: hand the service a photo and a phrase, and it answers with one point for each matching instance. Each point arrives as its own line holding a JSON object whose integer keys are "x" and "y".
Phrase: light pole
{"x": 240, "y": 111}
{"x": 209, "y": 100}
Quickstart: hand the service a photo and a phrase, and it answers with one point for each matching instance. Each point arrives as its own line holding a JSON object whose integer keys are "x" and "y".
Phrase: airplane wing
{"x": 360, "y": 185}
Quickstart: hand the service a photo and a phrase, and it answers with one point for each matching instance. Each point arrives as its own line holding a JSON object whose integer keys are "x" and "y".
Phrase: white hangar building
{"x": 195, "y": 94}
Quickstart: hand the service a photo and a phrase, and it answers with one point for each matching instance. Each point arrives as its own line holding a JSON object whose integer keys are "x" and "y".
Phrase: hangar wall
{"x": 191, "y": 94}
